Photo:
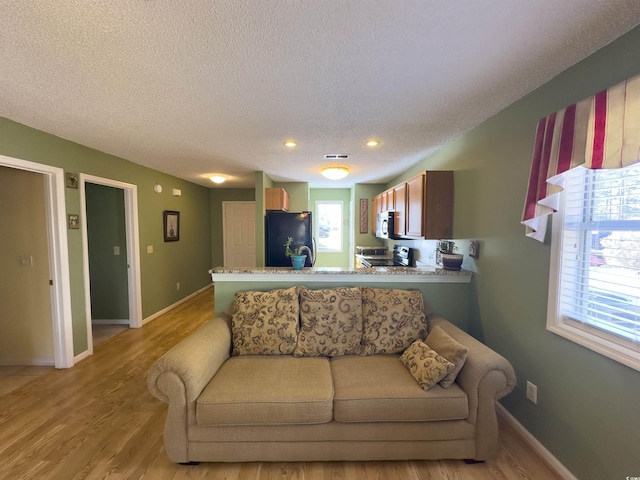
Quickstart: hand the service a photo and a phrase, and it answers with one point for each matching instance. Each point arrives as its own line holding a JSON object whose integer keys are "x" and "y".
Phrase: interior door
{"x": 239, "y": 231}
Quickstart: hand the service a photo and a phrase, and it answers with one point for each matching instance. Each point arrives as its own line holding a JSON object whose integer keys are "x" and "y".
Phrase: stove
{"x": 402, "y": 257}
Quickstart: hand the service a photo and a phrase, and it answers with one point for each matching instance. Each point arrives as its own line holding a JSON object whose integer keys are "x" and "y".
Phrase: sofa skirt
{"x": 330, "y": 451}
{"x": 333, "y": 441}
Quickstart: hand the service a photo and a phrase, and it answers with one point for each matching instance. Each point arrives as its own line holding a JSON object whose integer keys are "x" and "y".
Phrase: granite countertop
{"x": 417, "y": 273}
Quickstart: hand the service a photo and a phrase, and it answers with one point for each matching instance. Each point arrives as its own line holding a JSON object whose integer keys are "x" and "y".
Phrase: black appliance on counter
{"x": 279, "y": 226}
{"x": 402, "y": 257}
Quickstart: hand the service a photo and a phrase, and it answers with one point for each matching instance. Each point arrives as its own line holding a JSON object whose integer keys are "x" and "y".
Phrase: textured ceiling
{"x": 200, "y": 87}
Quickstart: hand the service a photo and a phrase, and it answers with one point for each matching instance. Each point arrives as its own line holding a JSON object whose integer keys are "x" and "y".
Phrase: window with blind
{"x": 594, "y": 288}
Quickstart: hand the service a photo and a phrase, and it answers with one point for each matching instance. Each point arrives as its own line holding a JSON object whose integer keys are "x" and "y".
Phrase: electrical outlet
{"x": 178, "y": 286}
{"x": 532, "y": 392}
{"x": 26, "y": 261}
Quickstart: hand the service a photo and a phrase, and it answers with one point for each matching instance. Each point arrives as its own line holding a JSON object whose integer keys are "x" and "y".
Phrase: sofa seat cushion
{"x": 379, "y": 388}
{"x": 268, "y": 390}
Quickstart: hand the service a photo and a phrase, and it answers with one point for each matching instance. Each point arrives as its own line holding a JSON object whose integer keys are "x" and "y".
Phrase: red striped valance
{"x": 602, "y": 131}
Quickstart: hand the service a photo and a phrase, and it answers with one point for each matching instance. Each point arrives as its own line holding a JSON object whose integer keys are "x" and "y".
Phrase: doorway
{"x": 239, "y": 233}
{"x": 111, "y": 254}
{"x": 58, "y": 256}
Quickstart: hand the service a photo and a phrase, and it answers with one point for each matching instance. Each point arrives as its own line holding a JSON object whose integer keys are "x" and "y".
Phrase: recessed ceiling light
{"x": 372, "y": 143}
{"x": 290, "y": 144}
{"x": 335, "y": 173}
{"x": 218, "y": 179}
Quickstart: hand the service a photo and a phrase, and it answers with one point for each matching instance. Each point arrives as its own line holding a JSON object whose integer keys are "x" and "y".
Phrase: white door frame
{"x": 58, "y": 256}
{"x": 133, "y": 249}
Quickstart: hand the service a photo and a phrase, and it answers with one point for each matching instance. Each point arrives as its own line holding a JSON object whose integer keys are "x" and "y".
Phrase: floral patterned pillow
{"x": 393, "y": 319}
{"x": 265, "y": 323}
{"x": 425, "y": 364}
{"x": 330, "y": 322}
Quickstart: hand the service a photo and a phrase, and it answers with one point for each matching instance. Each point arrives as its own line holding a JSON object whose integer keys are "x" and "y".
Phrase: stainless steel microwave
{"x": 384, "y": 225}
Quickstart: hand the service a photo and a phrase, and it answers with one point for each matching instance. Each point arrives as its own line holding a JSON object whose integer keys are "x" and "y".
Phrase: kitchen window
{"x": 594, "y": 285}
{"x": 329, "y": 225}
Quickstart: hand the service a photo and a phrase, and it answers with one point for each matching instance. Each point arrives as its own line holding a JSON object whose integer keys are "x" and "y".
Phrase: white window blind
{"x": 597, "y": 250}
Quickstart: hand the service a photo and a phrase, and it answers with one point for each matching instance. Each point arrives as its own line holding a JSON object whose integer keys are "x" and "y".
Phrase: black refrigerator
{"x": 279, "y": 226}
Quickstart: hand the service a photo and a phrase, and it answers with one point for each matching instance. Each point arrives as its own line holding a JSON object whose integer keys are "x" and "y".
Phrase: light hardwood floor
{"x": 97, "y": 421}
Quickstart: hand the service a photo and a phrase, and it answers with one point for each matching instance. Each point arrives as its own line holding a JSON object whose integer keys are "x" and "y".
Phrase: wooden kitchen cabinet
{"x": 276, "y": 199}
{"x": 374, "y": 213}
{"x": 400, "y": 208}
{"x": 423, "y": 206}
{"x": 415, "y": 207}
{"x": 438, "y": 204}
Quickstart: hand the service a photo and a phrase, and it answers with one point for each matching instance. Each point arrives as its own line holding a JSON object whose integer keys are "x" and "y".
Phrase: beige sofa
{"x": 307, "y": 398}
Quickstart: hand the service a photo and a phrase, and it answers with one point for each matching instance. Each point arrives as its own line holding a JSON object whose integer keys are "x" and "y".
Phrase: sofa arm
{"x": 486, "y": 377}
{"x": 183, "y": 372}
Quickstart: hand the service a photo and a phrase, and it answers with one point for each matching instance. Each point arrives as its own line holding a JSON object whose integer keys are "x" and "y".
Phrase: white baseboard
{"x": 126, "y": 321}
{"x": 165, "y": 310}
{"x": 30, "y": 362}
{"x": 82, "y": 356}
{"x": 534, "y": 443}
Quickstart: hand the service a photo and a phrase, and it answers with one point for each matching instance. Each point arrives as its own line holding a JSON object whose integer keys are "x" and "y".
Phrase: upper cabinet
{"x": 415, "y": 207}
{"x": 438, "y": 205}
{"x": 399, "y": 208}
{"x": 423, "y": 206}
{"x": 276, "y": 199}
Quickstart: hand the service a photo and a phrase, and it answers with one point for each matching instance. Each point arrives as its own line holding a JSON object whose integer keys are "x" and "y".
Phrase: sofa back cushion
{"x": 265, "y": 323}
{"x": 393, "y": 319}
{"x": 330, "y": 322}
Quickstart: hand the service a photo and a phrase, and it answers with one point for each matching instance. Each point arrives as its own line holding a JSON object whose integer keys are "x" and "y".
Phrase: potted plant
{"x": 450, "y": 259}
{"x": 297, "y": 259}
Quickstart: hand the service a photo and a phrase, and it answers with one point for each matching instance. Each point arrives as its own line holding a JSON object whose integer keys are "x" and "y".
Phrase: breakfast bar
{"x": 445, "y": 292}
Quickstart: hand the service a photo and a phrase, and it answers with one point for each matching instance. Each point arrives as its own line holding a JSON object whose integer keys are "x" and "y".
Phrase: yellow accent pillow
{"x": 426, "y": 366}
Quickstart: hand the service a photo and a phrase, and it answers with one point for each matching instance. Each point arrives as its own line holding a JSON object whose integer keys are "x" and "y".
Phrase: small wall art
{"x": 71, "y": 180}
{"x": 364, "y": 215}
{"x": 73, "y": 221}
{"x": 171, "y": 224}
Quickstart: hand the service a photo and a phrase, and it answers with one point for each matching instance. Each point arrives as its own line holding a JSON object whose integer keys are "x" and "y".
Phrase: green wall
{"x": 106, "y": 229}
{"x": 185, "y": 261}
{"x": 587, "y": 413}
{"x": 217, "y": 196}
{"x": 366, "y": 191}
{"x": 333, "y": 259}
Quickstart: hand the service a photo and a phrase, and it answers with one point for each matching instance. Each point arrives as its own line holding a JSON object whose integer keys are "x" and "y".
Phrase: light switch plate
{"x": 474, "y": 248}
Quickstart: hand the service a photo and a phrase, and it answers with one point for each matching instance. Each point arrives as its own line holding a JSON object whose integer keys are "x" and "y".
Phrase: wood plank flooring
{"x": 97, "y": 421}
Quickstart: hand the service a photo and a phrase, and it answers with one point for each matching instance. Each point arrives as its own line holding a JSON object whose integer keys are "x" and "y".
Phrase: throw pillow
{"x": 455, "y": 352}
{"x": 265, "y": 323}
{"x": 330, "y": 322}
{"x": 426, "y": 366}
{"x": 393, "y": 319}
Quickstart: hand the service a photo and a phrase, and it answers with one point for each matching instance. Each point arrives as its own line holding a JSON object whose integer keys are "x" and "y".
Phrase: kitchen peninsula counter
{"x": 445, "y": 292}
{"x": 332, "y": 274}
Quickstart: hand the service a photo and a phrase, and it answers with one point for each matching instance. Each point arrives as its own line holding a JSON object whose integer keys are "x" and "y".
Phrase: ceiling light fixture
{"x": 335, "y": 173}
{"x": 290, "y": 144}
{"x": 217, "y": 179}
{"x": 372, "y": 143}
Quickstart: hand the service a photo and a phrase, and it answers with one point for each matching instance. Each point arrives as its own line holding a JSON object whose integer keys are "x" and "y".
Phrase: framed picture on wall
{"x": 171, "y": 224}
